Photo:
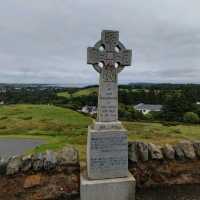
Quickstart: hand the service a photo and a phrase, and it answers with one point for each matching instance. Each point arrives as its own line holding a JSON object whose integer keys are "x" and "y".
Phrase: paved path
{"x": 11, "y": 147}
{"x": 185, "y": 192}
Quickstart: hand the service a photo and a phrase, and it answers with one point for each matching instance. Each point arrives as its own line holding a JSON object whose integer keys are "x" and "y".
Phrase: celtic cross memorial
{"x": 108, "y": 57}
{"x": 107, "y": 176}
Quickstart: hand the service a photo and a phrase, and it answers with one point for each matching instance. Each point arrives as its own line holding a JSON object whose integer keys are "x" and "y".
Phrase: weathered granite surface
{"x": 184, "y": 150}
{"x": 113, "y": 56}
{"x": 45, "y": 176}
{"x": 107, "y": 144}
{"x": 108, "y": 189}
{"x": 107, "y": 154}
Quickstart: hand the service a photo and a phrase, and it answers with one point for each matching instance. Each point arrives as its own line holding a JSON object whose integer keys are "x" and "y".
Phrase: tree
{"x": 175, "y": 107}
{"x": 190, "y": 117}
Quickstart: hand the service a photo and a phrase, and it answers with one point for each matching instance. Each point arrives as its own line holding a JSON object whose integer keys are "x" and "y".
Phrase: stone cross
{"x": 108, "y": 57}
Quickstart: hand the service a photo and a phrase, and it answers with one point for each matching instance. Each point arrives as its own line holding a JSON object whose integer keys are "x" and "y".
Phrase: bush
{"x": 149, "y": 116}
{"x": 190, "y": 117}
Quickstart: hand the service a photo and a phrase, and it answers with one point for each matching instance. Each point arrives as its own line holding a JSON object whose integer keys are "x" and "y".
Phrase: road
{"x": 12, "y": 147}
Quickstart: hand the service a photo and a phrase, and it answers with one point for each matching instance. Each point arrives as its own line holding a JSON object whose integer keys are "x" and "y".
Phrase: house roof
{"x": 150, "y": 107}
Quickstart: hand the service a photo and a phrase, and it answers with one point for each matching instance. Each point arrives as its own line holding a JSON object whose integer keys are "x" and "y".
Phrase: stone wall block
{"x": 133, "y": 152}
{"x": 179, "y": 154}
{"x": 50, "y": 160}
{"x": 14, "y": 166}
{"x": 38, "y": 162}
{"x": 143, "y": 152}
{"x": 3, "y": 165}
{"x": 27, "y": 163}
{"x": 188, "y": 149}
{"x": 155, "y": 152}
{"x": 196, "y": 145}
{"x": 68, "y": 156}
{"x": 168, "y": 152}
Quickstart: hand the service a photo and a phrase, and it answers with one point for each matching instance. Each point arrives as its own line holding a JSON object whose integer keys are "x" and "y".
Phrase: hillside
{"x": 80, "y": 92}
{"x": 58, "y": 126}
{"x": 61, "y": 126}
{"x": 85, "y": 91}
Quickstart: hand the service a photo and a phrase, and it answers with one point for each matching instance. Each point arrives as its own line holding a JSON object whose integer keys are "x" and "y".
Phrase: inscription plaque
{"x": 108, "y": 154}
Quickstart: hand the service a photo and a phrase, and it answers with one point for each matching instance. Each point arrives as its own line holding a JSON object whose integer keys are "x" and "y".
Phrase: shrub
{"x": 26, "y": 118}
{"x": 3, "y": 117}
{"x": 190, "y": 117}
{"x": 148, "y": 116}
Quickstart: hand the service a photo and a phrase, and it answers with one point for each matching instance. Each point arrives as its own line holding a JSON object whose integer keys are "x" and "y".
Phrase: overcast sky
{"x": 45, "y": 41}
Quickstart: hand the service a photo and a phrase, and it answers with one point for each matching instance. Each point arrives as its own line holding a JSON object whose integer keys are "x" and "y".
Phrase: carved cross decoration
{"x": 108, "y": 57}
{"x": 109, "y": 51}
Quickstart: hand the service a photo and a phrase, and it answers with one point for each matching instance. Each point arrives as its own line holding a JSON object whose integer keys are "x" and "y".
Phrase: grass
{"x": 85, "y": 92}
{"x": 161, "y": 134}
{"x": 64, "y": 94}
{"x": 59, "y": 127}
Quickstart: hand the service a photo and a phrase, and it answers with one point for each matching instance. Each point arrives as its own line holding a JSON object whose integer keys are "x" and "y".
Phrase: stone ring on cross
{"x": 109, "y": 51}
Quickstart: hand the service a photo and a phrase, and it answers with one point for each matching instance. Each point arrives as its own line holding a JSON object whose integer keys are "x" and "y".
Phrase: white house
{"x": 146, "y": 108}
{"x": 89, "y": 109}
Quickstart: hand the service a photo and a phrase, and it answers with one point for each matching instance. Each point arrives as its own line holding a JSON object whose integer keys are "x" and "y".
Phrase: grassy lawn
{"x": 59, "y": 127}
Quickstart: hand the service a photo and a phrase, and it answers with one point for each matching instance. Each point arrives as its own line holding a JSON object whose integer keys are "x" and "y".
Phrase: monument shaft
{"x": 107, "y": 146}
{"x": 107, "y": 176}
{"x": 108, "y": 95}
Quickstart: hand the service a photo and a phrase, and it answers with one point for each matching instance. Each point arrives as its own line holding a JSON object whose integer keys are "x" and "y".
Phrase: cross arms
{"x": 123, "y": 58}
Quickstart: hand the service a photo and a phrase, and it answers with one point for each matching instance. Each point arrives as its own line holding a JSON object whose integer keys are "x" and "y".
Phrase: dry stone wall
{"x": 43, "y": 176}
{"x": 56, "y": 175}
{"x": 165, "y": 165}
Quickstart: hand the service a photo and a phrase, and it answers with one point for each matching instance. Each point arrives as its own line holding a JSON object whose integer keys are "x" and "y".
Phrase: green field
{"x": 64, "y": 94}
{"x": 85, "y": 92}
{"x": 60, "y": 127}
{"x": 81, "y": 92}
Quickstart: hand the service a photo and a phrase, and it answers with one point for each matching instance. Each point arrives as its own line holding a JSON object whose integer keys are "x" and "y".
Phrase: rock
{"x": 3, "y": 165}
{"x": 132, "y": 152}
{"x": 27, "y": 163}
{"x": 32, "y": 181}
{"x": 38, "y": 162}
{"x": 168, "y": 152}
{"x": 155, "y": 152}
{"x": 14, "y": 165}
{"x": 196, "y": 145}
{"x": 68, "y": 155}
{"x": 188, "y": 149}
{"x": 143, "y": 151}
{"x": 50, "y": 160}
{"x": 179, "y": 154}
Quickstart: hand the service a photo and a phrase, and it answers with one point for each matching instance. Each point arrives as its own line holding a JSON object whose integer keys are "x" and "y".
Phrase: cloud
{"x": 45, "y": 41}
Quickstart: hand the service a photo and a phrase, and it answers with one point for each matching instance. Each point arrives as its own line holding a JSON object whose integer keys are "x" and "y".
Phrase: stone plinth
{"x": 107, "y": 153}
{"x": 108, "y": 189}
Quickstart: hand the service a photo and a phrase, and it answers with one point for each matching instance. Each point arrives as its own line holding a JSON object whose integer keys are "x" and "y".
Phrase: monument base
{"x": 108, "y": 189}
{"x": 107, "y": 154}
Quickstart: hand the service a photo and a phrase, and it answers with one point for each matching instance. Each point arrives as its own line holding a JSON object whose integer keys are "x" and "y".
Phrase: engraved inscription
{"x": 109, "y": 90}
{"x": 109, "y": 111}
{"x": 109, "y": 152}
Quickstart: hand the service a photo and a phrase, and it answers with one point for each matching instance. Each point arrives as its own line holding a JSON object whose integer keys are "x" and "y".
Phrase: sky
{"x": 45, "y": 41}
